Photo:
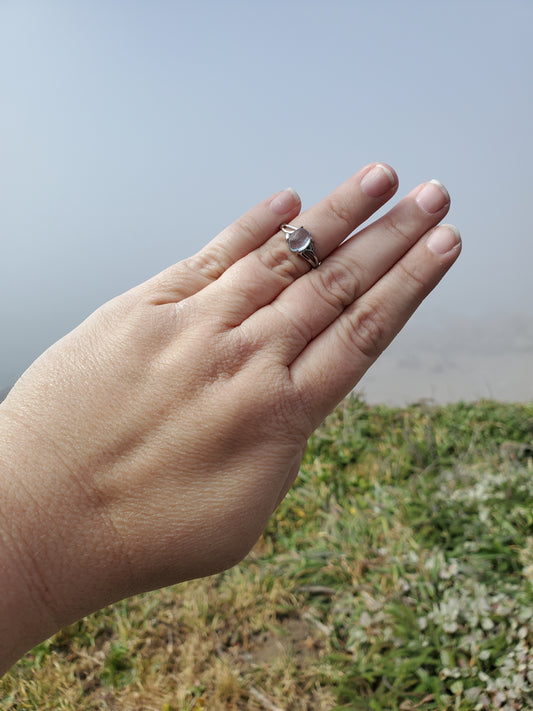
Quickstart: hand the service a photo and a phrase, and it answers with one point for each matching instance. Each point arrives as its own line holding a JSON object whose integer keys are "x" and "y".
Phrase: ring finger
{"x": 260, "y": 276}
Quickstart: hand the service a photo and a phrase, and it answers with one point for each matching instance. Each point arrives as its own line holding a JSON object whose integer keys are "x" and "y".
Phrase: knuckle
{"x": 336, "y": 285}
{"x": 288, "y": 405}
{"x": 240, "y": 345}
{"x": 276, "y": 258}
{"x": 412, "y": 279}
{"x": 209, "y": 262}
{"x": 342, "y": 211}
{"x": 249, "y": 228}
{"x": 396, "y": 230}
{"x": 366, "y": 331}
{"x": 297, "y": 329}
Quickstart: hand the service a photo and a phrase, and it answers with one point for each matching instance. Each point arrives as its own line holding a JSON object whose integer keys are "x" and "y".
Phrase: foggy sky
{"x": 132, "y": 132}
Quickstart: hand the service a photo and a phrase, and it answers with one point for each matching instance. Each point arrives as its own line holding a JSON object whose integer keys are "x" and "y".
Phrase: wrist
{"x": 54, "y": 567}
{"x": 25, "y": 617}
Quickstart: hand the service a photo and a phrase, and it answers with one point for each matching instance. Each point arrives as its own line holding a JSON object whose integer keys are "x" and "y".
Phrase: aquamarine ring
{"x": 300, "y": 242}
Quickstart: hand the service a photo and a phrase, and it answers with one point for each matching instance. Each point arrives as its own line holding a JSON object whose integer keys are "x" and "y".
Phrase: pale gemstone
{"x": 299, "y": 240}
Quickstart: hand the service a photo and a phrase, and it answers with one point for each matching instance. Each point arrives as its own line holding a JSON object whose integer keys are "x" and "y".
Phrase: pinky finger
{"x": 334, "y": 362}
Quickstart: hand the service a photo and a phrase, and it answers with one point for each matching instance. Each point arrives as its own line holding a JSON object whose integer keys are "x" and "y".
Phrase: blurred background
{"x": 132, "y": 132}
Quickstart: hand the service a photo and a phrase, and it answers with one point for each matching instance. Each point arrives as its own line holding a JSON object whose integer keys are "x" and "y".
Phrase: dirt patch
{"x": 293, "y": 637}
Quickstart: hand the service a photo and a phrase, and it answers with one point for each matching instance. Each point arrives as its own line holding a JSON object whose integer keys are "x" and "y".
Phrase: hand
{"x": 152, "y": 443}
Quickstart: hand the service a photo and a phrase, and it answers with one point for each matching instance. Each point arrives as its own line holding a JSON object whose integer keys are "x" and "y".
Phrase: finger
{"x": 333, "y": 363}
{"x": 260, "y": 276}
{"x": 308, "y": 306}
{"x": 246, "y": 234}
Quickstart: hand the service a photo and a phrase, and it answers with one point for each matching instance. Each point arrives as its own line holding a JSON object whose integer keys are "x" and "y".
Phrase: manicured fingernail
{"x": 378, "y": 181}
{"x": 285, "y": 201}
{"x": 433, "y": 197}
{"x": 443, "y": 239}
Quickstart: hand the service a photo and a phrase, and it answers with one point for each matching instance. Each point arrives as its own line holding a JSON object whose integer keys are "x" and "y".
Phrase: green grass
{"x": 397, "y": 574}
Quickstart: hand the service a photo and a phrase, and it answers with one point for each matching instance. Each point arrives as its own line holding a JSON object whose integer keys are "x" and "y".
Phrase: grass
{"x": 397, "y": 574}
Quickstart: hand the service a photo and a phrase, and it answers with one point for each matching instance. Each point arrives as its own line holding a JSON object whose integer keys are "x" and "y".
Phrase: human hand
{"x": 152, "y": 443}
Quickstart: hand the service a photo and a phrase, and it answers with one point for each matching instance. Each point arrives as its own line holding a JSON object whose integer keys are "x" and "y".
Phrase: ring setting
{"x": 300, "y": 242}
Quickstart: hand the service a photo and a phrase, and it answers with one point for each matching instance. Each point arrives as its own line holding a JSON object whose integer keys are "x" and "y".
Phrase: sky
{"x": 132, "y": 132}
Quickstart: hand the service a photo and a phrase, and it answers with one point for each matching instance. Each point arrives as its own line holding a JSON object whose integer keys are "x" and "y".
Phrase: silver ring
{"x": 300, "y": 242}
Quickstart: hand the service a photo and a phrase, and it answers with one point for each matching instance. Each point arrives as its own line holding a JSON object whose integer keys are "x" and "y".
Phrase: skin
{"x": 152, "y": 444}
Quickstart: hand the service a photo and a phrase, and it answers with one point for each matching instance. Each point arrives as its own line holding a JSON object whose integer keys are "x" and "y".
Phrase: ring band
{"x": 300, "y": 242}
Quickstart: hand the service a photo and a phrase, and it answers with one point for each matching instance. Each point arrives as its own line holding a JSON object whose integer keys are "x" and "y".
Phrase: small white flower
{"x": 473, "y": 693}
{"x": 457, "y": 687}
{"x": 450, "y": 626}
{"x": 487, "y": 623}
{"x": 499, "y": 699}
{"x": 365, "y": 620}
{"x": 527, "y": 572}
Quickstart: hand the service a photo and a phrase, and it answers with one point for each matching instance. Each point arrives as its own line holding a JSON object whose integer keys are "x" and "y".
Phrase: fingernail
{"x": 433, "y": 197}
{"x": 378, "y": 181}
{"x": 285, "y": 201}
{"x": 443, "y": 239}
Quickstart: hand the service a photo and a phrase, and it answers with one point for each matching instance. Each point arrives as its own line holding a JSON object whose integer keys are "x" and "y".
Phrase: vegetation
{"x": 397, "y": 574}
